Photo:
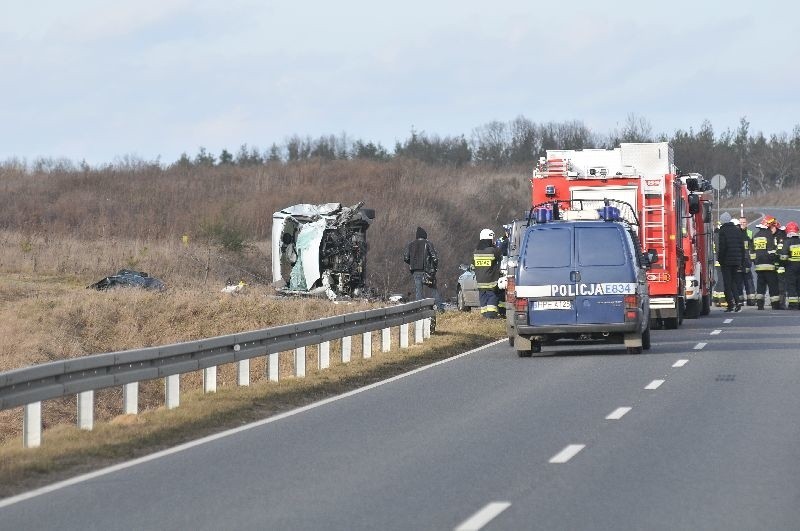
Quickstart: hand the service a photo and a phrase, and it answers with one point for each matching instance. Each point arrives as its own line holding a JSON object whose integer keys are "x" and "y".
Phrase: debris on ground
{"x": 126, "y": 278}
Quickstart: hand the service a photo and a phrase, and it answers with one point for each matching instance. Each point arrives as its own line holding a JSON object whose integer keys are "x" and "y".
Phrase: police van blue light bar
{"x": 609, "y": 213}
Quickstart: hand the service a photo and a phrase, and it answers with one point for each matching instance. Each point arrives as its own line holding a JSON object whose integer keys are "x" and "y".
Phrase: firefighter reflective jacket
{"x": 486, "y": 261}
{"x": 791, "y": 250}
{"x": 765, "y": 250}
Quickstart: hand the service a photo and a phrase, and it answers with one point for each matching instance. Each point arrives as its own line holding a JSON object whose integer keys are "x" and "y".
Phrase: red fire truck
{"x": 698, "y": 234}
{"x": 644, "y": 176}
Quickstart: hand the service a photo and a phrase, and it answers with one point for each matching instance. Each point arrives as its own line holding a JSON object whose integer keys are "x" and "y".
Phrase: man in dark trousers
{"x": 731, "y": 260}
{"x": 422, "y": 260}
{"x": 486, "y": 259}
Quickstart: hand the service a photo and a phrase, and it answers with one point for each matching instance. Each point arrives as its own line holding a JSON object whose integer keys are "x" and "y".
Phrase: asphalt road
{"x": 492, "y": 441}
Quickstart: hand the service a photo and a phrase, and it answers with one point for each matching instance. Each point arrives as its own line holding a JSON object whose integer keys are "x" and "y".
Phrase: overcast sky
{"x": 95, "y": 80}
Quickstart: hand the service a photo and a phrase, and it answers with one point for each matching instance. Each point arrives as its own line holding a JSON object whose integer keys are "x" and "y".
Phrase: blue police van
{"x": 581, "y": 276}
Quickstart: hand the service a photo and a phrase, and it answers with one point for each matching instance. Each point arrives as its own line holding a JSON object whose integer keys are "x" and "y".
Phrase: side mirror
{"x": 694, "y": 204}
{"x": 707, "y": 213}
{"x": 652, "y": 256}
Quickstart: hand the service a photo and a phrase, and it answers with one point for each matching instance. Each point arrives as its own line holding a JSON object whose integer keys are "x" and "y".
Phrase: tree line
{"x": 751, "y": 162}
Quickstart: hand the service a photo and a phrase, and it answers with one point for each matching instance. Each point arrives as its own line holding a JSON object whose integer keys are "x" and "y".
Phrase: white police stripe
{"x": 571, "y": 290}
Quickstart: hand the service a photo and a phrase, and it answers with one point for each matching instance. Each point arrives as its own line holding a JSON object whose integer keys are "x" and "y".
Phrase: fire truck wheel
{"x": 646, "y": 339}
{"x": 692, "y": 309}
{"x": 671, "y": 323}
{"x": 706, "y": 309}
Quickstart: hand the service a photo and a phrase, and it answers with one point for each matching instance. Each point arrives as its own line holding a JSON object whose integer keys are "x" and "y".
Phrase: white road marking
{"x": 680, "y": 363}
{"x": 727, "y": 321}
{"x": 700, "y": 346}
{"x": 655, "y": 384}
{"x": 567, "y": 453}
{"x": 483, "y": 517}
{"x": 716, "y": 332}
{"x": 169, "y": 451}
{"x": 618, "y": 413}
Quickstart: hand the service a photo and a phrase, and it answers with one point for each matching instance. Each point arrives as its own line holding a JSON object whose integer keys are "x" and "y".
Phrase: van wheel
{"x": 524, "y": 353}
{"x": 646, "y": 339}
{"x": 634, "y": 350}
{"x": 460, "y": 301}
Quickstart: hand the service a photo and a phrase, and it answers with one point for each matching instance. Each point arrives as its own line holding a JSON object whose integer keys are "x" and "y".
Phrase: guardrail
{"x": 29, "y": 386}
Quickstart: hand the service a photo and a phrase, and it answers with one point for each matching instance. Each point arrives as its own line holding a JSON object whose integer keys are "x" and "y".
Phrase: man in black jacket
{"x": 730, "y": 254}
{"x": 422, "y": 260}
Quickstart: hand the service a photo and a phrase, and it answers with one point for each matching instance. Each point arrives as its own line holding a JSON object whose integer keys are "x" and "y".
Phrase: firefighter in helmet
{"x": 766, "y": 254}
{"x": 790, "y": 257}
{"x": 486, "y": 259}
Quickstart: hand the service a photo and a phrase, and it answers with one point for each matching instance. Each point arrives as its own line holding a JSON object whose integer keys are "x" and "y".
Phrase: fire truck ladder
{"x": 654, "y": 233}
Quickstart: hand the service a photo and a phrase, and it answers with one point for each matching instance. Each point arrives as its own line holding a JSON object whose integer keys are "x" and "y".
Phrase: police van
{"x": 581, "y": 276}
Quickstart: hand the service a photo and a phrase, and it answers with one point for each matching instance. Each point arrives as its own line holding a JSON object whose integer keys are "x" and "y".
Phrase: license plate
{"x": 552, "y": 305}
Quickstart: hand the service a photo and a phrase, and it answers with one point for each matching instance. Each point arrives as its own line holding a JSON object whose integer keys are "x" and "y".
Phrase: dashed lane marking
{"x": 655, "y": 384}
{"x": 680, "y": 363}
{"x": 727, "y": 321}
{"x": 716, "y": 332}
{"x": 618, "y": 413}
{"x": 567, "y": 453}
{"x": 483, "y": 517}
{"x": 700, "y": 346}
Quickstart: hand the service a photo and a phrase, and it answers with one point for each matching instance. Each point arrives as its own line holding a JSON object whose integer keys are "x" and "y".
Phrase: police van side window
{"x": 548, "y": 247}
{"x": 600, "y": 246}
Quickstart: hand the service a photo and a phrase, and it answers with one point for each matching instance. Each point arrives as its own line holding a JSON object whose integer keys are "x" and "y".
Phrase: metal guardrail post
{"x": 273, "y": 365}
{"x": 210, "y": 379}
{"x": 172, "y": 391}
{"x": 130, "y": 398}
{"x": 426, "y": 331}
{"x": 243, "y": 373}
{"x": 386, "y": 340}
{"x": 418, "y": 331}
{"x": 300, "y": 362}
{"x": 324, "y": 355}
{"x": 366, "y": 345}
{"x": 32, "y": 425}
{"x": 86, "y": 410}
{"x": 404, "y": 335}
{"x": 347, "y": 343}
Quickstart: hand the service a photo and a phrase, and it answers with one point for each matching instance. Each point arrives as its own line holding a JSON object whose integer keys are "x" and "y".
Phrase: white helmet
{"x": 487, "y": 234}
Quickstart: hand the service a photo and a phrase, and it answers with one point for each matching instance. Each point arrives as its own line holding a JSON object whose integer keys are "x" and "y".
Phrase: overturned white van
{"x": 321, "y": 249}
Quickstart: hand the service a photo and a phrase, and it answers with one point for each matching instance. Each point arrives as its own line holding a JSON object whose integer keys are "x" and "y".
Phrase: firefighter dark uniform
{"x": 780, "y": 269}
{"x": 486, "y": 261}
{"x": 747, "y": 270}
{"x": 766, "y": 276}
{"x": 790, "y": 257}
{"x": 718, "y": 293}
